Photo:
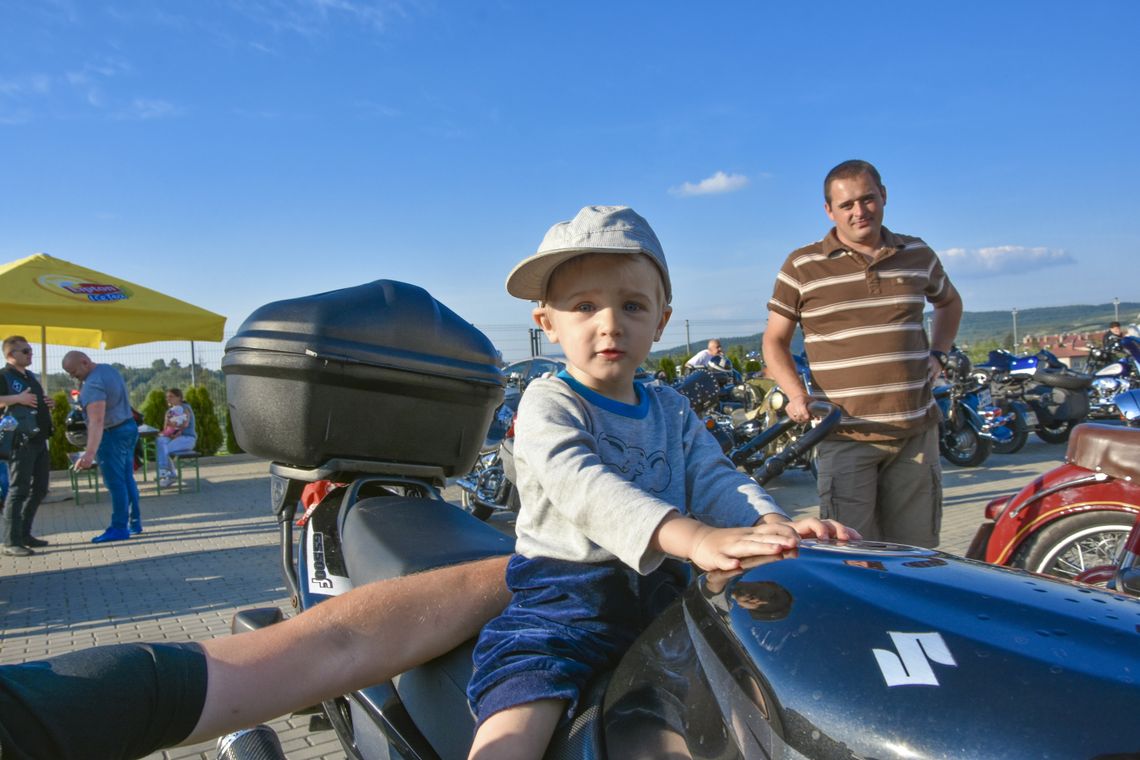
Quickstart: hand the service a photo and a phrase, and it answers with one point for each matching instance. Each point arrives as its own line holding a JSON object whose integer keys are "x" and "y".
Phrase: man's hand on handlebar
{"x": 798, "y": 408}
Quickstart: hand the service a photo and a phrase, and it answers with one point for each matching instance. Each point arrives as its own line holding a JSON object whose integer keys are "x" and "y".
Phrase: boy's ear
{"x": 542, "y": 320}
{"x": 665, "y": 314}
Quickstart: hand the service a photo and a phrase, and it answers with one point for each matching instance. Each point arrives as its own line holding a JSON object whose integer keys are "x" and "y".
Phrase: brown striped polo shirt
{"x": 863, "y": 331}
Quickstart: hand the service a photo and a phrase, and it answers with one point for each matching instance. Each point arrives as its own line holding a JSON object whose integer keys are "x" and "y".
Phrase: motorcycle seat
{"x": 1110, "y": 449}
{"x": 1074, "y": 381}
{"x": 390, "y": 536}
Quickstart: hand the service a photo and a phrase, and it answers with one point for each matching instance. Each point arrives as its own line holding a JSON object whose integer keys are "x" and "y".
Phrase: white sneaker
{"x": 167, "y": 481}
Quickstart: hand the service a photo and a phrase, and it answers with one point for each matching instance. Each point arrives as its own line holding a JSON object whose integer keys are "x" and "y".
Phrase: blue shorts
{"x": 566, "y": 622}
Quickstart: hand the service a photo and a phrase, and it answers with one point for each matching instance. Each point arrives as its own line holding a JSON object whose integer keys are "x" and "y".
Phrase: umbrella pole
{"x": 43, "y": 359}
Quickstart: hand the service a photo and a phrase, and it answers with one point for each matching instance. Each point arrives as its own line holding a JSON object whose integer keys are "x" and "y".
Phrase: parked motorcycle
{"x": 1075, "y": 516}
{"x": 1056, "y": 397}
{"x": 763, "y": 452}
{"x": 741, "y": 666}
{"x": 75, "y": 424}
{"x": 1117, "y": 374}
{"x": 971, "y": 424}
{"x": 487, "y": 488}
{"x": 768, "y": 431}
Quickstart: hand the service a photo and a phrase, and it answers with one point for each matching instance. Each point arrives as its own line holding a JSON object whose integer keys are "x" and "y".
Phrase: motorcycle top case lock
{"x": 380, "y": 372}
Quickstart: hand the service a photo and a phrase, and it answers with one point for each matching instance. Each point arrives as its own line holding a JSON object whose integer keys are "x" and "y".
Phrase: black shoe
{"x": 17, "y": 551}
{"x": 34, "y": 542}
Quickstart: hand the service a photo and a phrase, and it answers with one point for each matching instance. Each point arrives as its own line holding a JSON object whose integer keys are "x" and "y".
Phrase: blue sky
{"x": 233, "y": 153}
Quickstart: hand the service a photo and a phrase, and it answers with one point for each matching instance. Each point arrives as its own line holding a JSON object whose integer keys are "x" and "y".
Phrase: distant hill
{"x": 980, "y": 326}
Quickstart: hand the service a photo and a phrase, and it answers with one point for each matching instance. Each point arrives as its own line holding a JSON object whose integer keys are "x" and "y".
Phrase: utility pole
{"x": 1116, "y": 309}
{"x": 688, "y": 340}
{"x": 535, "y": 341}
{"x": 1015, "y": 329}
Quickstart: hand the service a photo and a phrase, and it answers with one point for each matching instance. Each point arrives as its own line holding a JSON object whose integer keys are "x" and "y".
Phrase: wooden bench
{"x": 92, "y": 476}
{"x": 180, "y": 459}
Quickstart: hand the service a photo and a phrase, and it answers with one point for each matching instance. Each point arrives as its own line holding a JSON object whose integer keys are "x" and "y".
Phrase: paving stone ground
{"x": 203, "y": 556}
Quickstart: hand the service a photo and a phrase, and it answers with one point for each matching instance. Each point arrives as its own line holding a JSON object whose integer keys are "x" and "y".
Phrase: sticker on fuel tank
{"x": 911, "y": 664}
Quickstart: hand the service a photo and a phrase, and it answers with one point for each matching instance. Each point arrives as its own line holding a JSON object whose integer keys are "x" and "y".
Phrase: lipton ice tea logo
{"x": 80, "y": 289}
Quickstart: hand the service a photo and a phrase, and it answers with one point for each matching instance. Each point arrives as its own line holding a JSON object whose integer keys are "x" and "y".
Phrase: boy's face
{"x": 605, "y": 311}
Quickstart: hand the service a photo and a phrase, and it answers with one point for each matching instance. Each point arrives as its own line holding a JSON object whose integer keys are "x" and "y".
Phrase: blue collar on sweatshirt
{"x": 636, "y": 411}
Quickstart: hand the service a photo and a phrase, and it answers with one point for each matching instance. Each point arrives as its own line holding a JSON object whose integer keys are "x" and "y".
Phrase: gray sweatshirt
{"x": 596, "y": 476}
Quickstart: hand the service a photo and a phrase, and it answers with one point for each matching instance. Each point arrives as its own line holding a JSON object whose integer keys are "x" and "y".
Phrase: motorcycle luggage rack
{"x": 337, "y": 469}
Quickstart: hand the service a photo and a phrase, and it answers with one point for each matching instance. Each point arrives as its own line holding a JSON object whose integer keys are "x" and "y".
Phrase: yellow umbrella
{"x": 66, "y": 304}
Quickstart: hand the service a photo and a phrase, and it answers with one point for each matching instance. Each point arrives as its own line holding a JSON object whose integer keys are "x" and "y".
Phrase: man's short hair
{"x": 11, "y": 342}
{"x": 850, "y": 170}
{"x": 176, "y": 391}
{"x": 1110, "y": 326}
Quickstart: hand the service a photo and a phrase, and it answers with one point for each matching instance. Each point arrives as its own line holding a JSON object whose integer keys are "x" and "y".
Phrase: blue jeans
{"x": 164, "y": 447}
{"x": 3, "y": 483}
{"x": 117, "y": 462}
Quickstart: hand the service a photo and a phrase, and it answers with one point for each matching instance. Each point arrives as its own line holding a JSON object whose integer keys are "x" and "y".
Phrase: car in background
{"x": 520, "y": 373}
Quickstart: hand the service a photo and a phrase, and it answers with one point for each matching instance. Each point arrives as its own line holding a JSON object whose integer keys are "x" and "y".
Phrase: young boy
{"x": 614, "y": 479}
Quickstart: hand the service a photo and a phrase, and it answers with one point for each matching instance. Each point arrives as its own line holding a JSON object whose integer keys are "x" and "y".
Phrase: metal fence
{"x": 514, "y": 341}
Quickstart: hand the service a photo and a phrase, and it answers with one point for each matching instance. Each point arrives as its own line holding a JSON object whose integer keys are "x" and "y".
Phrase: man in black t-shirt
{"x": 29, "y": 465}
{"x": 1111, "y": 339}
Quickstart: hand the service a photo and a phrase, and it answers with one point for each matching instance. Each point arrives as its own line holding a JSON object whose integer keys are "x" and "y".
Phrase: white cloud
{"x": 313, "y": 17}
{"x": 144, "y": 108}
{"x": 717, "y": 183}
{"x": 1002, "y": 259}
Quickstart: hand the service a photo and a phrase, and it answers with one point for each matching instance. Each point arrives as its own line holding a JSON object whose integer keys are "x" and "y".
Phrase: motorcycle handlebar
{"x": 828, "y": 415}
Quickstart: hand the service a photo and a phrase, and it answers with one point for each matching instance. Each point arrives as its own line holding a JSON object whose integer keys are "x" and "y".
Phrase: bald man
{"x": 111, "y": 437}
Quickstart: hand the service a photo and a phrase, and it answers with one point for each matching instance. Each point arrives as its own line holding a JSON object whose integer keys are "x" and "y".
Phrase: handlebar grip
{"x": 257, "y": 743}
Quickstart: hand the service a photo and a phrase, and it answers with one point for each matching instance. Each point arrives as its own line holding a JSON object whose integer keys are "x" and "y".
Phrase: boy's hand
{"x": 724, "y": 548}
{"x": 813, "y": 527}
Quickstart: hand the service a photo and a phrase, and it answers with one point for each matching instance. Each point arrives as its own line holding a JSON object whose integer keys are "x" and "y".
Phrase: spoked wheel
{"x": 1058, "y": 432}
{"x": 964, "y": 447}
{"x": 1075, "y": 544}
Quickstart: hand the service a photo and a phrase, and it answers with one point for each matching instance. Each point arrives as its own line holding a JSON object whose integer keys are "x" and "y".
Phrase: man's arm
{"x": 25, "y": 398}
{"x": 362, "y": 638}
{"x": 782, "y": 368}
{"x": 95, "y": 414}
{"x": 944, "y": 328}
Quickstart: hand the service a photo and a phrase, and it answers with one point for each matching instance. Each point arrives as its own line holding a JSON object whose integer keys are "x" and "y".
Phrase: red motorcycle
{"x": 1072, "y": 522}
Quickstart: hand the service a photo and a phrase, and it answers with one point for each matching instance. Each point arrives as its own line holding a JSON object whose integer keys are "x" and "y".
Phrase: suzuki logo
{"x": 911, "y": 665}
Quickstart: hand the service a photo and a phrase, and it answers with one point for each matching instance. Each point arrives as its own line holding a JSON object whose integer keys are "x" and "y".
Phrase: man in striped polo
{"x": 859, "y": 295}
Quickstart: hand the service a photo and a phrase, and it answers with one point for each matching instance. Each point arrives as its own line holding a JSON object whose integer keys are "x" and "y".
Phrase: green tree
{"x": 154, "y": 408}
{"x": 667, "y": 365}
{"x": 58, "y": 446}
{"x": 205, "y": 421}
{"x": 735, "y": 355}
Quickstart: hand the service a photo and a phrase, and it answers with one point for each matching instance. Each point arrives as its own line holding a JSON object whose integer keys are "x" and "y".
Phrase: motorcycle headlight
{"x": 777, "y": 400}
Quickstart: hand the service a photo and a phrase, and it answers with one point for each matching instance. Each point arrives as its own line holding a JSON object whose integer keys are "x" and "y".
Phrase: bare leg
{"x": 352, "y": 641}
{"x": 518, "y": 733}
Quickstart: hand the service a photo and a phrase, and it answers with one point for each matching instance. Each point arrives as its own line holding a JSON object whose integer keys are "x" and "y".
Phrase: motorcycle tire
{"x": 1073, "y": 544}
{"x": 965, "y": 448}
{"x": 1017, "y": 442}
{"x": 1058, "y": 432}
{"x": 480, "y": 511}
